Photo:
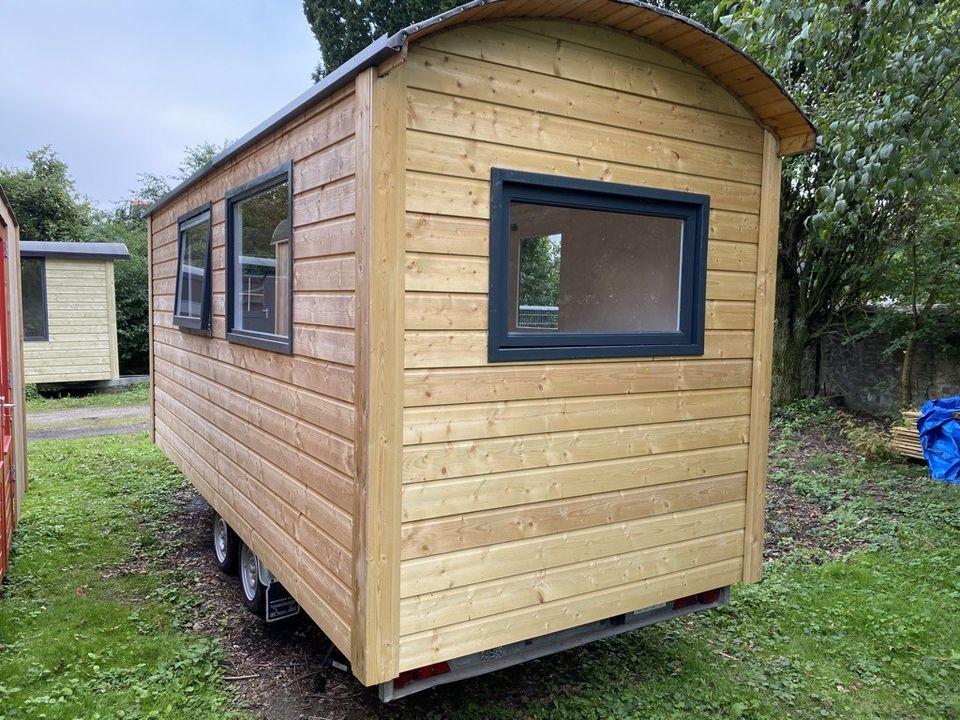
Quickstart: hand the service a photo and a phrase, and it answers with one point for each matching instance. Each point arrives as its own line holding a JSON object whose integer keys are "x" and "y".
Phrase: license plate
{"x": 280, "y": 603}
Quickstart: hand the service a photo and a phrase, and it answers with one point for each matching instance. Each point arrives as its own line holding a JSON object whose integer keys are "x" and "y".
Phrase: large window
{"x": 584, "y": 269}
{"x": 193, "y": 270}
{"x": 259, "y": 261}
{"x": 33, "y": 288}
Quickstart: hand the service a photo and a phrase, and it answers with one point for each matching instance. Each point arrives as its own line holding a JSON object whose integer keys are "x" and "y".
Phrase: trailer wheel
{"x": 254, "y": 593}
{"x": 225, "y": 545}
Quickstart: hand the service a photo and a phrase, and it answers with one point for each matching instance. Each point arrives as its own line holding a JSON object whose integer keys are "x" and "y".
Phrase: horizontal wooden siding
{"x": 268, "y": 438}
{"x": 81, "y": 323}
{"x": 541, "y": 496}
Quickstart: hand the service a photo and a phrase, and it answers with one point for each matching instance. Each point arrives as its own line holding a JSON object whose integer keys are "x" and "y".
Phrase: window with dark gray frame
{"x": 582, "y": 269}
{"x": 192, "y": 304}
{"x": 260, "y": 261}
{"x": 33, "y": 289}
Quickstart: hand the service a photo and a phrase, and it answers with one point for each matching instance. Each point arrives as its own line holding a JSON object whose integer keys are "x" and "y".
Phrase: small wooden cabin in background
{"x": 13, "y": 444}
{"x": 70, "y": 311}
{"x": 481, "y": 350}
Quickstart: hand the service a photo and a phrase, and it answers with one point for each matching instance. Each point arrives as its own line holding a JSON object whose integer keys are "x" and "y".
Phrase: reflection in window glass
{"x": 261, "y": 289}
{"x": 538, "y": 307}
{"x": 594, "y": 271}
{"x": 193, "y": 278}
{"x": 262, "y": 240}
{"x": 34, "y": 303}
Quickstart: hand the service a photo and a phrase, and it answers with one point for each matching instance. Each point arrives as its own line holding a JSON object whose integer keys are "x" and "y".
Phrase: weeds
{"x": 89, "y": 627}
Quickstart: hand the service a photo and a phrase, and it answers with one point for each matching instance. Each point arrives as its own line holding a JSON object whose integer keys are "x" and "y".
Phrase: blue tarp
{"x": 939, "y": 427}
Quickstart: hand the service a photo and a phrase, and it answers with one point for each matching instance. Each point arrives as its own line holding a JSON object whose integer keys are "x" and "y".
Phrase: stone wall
{"x": 861, "y": 377}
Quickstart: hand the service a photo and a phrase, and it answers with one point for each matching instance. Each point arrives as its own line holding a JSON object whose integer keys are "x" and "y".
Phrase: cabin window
{"x": 192, "y": 308}
{"x": 260, "y": 262}
{"x": 33, "y": 288}
{"x": 582, "y": 269}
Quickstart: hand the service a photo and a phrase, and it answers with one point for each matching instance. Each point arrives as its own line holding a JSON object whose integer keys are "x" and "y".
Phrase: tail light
{"x": 707, "y": 597}
{"x": 421, "y": 673}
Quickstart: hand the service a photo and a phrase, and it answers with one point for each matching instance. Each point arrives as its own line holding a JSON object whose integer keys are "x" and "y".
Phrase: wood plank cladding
{"x": 267, "y": 437}
{"x": 81, "y": 344}
{"x": 538, "y": 496}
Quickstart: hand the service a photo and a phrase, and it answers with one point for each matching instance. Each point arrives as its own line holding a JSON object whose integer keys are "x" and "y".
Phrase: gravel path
{"x": 86, "y": 422}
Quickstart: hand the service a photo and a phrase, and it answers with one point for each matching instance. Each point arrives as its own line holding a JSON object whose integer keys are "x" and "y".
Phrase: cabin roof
{"x": 76, "y": 250}
{"x": 730, "y": 67}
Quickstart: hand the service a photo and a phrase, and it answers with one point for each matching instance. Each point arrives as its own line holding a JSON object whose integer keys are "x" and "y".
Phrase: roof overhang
{"x": 74, "y": 250}
{"x": 756, "y": 89}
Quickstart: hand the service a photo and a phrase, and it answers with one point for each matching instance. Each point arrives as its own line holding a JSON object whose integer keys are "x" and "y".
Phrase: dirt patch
{"x": 797, "y": 521}
{"x": 276, "y": 670}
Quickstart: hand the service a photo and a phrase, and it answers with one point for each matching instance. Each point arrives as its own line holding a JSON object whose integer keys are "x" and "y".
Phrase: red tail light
{"x": 422, "y": 673}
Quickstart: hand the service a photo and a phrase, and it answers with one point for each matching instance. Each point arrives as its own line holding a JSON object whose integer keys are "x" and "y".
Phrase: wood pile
{"x": 906, "y": 437}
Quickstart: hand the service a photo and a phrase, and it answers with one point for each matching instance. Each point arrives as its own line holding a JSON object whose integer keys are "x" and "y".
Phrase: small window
{"x": 193, "y": 270}
{"x": 33, "y": 288}
{"x": 582, "y": 269}
{"x": 260, "y": 261}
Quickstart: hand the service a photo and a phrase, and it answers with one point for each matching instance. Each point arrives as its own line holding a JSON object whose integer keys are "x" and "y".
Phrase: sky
{"x": 121, "y": 87}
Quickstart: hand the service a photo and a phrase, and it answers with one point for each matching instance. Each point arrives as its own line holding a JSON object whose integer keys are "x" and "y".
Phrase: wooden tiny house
{"x": 13, "y": 445}
{"x": 480, "y": 346}
{"x": 70, "y": 311}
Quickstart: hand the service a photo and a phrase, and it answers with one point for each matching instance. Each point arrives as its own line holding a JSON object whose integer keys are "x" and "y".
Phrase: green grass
{"x": 132, "y": 395}
{"x": 872, "y": 633}
{"x": 91, "y": 626}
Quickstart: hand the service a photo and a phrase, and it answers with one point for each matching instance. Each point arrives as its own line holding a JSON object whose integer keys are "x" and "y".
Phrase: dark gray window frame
{"x": 204, "y": 323}
{"x": 507, "y": 186}
{"x": 43, "y": 294}
{"x": 271, "y": 178}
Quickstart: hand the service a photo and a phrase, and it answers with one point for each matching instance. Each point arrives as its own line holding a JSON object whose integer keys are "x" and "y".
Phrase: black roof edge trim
{"x": 81, "y": 250}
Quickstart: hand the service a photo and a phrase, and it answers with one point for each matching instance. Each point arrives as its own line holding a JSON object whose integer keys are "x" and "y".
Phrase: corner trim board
{"x": 762, "y": 359}
{"x": 381, "y": 152}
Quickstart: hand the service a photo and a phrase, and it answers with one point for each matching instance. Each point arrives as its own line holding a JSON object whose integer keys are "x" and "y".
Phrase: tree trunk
{"x": 906, "y": 375}
{"x": 788, "y": 348}
{"x": 789, "y": 337}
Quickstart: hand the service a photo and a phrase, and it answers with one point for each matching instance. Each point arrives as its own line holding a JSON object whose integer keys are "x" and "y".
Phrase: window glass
{"x": 261, "y": 263}
{"x": 583, "y": 268}
{"x": 193, "y": 279}
{"x": 32, "y": 279}
{"x": 589, "y": 271}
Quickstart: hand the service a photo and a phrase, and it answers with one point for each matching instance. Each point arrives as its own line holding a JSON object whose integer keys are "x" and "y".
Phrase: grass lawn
{"x": 131, "y": 395}
{"x": 857, "y": 617}
{"x": 90, "y": 625}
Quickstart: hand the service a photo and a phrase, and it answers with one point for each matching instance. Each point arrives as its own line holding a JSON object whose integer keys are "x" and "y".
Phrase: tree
{"x": 879, "y": 79}
{"x": 130, "y": 283}
{"x": 919, "y": 296}
{"x": 539, "y": 271}
{"x": 345, "y": 27}
{"x": 126, "y": 224}
{"x": 45, "y": 199}
{"x": 153, "y": 186}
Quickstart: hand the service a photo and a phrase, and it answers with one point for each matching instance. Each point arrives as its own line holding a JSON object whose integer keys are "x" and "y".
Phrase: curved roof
{"x": 756, "y": 89}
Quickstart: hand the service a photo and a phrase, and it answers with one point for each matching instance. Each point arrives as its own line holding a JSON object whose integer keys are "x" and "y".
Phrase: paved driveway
{"x": 84, "y": 422}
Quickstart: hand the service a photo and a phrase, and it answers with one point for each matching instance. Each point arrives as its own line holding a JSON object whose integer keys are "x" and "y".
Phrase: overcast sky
{"x": 120, "y": 87}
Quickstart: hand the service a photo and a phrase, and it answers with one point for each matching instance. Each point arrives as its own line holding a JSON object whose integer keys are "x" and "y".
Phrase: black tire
{"x": 226, "y": 546}
{"x": 252, "y": 590}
